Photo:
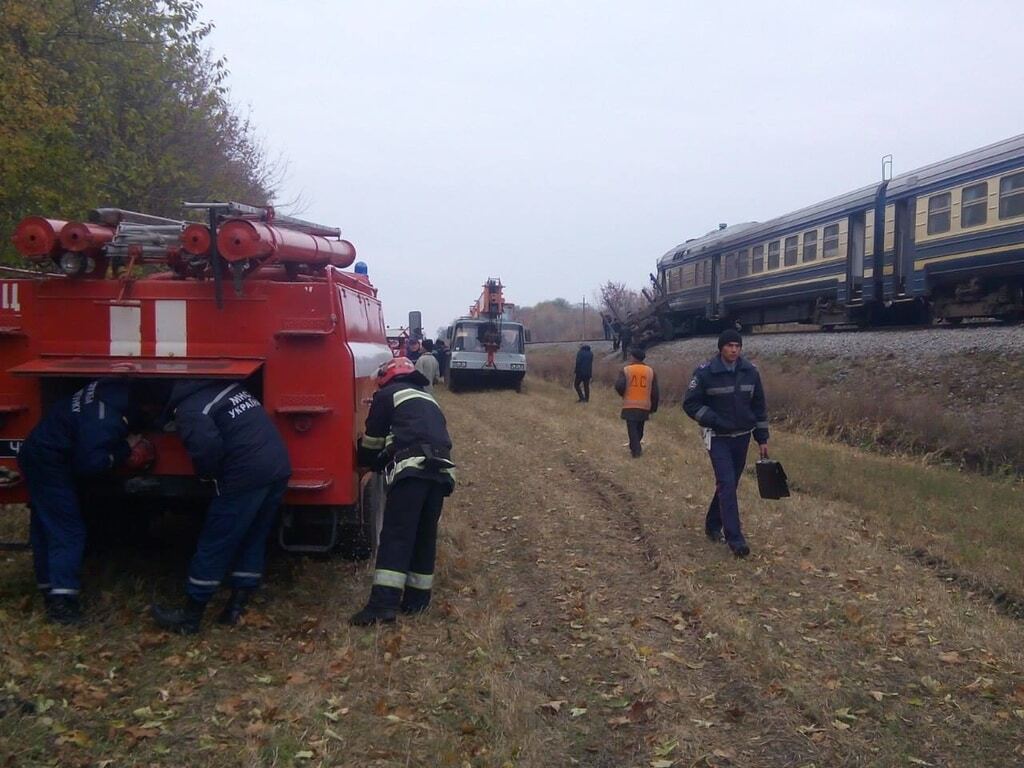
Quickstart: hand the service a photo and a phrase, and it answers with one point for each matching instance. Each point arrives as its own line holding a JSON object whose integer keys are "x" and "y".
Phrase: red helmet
{"x": 399, "y": 366}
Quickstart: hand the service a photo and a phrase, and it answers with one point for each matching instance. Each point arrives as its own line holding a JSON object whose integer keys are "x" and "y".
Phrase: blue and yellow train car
{"x": 951, "y": 245}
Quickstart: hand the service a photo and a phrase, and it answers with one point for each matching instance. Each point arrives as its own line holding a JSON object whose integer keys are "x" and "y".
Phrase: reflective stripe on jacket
{"x": 728, "y": 402}
{"x": 404, "y": 422}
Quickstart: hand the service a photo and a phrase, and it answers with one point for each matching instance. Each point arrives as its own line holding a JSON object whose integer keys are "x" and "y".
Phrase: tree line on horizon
{"x": 117, "y": 103}
{"x": 562, "y": 320}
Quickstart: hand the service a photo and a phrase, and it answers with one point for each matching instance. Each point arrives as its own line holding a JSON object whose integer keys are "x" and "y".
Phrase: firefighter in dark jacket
{"x": 237, "y": 449}
{"x": 584, "y": 373}
{"x": 407, "y": 439}
{"x": 726, "y": 398}
{"x": 638, "y": 387}
{"x": 83, "y": 436}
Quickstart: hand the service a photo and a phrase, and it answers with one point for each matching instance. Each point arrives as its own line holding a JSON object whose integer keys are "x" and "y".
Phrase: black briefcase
{"x": 771, "y": 480}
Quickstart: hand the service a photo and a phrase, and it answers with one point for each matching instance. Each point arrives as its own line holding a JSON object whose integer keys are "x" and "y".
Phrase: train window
{"x": 938, "y": 213}
{"x": 792, "y": 244}
{"x": 1011, "y": 196}
{"x": 810, "y": 245}
{"x": 830, "y": 242}
{"x": 757, "y": 259}
{"x": 688, "y": 276}
{"x": 730, "y": 266}
{"x": 974, "y": 205}
{"x": 673, "y": 280}
{"x": 773, "y": 254}
{"x": 743, "y": 263}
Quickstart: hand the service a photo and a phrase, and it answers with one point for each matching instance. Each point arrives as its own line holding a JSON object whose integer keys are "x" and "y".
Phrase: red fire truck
{"x": 247, "y": 296}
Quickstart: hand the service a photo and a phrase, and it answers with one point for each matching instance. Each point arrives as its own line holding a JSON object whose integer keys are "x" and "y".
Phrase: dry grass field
{"x": 581, "y": 618}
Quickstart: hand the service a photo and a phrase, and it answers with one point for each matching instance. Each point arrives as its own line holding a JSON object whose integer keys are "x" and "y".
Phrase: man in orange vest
{"x": 638, "y": 387}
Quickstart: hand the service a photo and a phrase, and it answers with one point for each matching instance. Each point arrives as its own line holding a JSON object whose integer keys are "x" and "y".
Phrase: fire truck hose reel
{"x": 240, "y": 239}
{"x": 36, "y": 237}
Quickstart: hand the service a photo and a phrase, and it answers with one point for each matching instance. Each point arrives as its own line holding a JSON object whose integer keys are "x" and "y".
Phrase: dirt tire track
{"x": 833, "y": 645}
{"x": 621, "y": 569}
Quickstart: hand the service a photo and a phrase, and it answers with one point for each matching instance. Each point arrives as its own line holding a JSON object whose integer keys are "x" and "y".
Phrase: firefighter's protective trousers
{"x": 728, "y": 456}
{"x": 408, "y": 540}
{"x": 57, "y": 530}
{"x": 234, "y": 537}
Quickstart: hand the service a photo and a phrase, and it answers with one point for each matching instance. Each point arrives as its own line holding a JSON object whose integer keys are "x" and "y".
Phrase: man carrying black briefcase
{"x": 726, "y": 398}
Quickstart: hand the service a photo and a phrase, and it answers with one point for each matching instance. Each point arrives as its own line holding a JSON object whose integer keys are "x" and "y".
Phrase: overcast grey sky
{"x": 557, "y": 145}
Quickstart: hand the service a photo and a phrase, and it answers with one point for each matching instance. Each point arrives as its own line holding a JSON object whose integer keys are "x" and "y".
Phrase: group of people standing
{"x": 724, "y": 396}
{"x": 235, "y": 447}
{"x": 430, "y": 358}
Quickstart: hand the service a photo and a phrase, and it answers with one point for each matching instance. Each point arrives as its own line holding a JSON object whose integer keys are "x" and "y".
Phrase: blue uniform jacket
{"x": 728, "y": 402}
{"x": 84, "y": 433}
{"x": 229, "y": 436}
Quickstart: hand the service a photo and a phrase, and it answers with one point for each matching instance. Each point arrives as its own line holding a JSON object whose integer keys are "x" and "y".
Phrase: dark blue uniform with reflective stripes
{"x": 80, "y": 436}
{"x": 729, "y": 405}
{"x": 234, "y": 445}
{"x": 407, "y": 437}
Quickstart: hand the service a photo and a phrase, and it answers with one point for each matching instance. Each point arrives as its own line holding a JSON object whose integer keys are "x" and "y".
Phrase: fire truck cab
{"x": 304, "y": 335}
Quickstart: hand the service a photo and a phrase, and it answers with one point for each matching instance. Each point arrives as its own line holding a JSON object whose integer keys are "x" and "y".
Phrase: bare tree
{"x": 618, "y": 300}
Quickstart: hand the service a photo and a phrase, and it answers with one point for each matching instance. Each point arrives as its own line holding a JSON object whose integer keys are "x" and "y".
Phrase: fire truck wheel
{"x": 359, "y": 540}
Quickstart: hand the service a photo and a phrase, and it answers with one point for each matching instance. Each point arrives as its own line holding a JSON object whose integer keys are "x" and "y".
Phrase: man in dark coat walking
{"x": 726, "y": 398}
{"x": 236, "y": 447}
{"x": 584, "y": 373}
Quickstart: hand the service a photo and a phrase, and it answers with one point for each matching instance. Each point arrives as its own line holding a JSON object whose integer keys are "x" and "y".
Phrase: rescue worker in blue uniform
{"x": 726, "y": 397}
{"x": 83, "y": 436}
{"x": 236, "y": 447}
{"x": 407, "y": 438}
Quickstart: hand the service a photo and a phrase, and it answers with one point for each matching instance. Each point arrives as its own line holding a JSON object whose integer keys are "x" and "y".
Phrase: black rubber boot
{"x": 740, "y": 550}
{"x": 381, "y": 608}
{"x": 415, "y": 600}
{"x": 235, "y": 608}
{"x": 64, "y": 609}
{"x": 183, "y": 621}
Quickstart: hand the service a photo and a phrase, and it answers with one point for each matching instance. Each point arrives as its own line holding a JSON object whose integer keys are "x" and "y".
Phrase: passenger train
{"x": 944, "y": 242}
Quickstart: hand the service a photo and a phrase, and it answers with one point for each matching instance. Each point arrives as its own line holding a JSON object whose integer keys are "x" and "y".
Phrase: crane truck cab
{"x": 486, "y": 352}
{"x": 487, "y": 345}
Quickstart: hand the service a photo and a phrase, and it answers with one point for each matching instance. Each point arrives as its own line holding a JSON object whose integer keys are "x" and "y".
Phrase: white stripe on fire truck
{"x": 171, "y": 333}
{"x": 125, "y": 331}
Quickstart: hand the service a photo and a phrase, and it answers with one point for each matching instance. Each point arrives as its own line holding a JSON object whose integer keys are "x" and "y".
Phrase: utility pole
{"x": 583, "y": 329}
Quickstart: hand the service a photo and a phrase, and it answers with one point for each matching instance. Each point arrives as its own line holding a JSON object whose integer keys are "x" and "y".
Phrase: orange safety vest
{"x": 639, "y": 379}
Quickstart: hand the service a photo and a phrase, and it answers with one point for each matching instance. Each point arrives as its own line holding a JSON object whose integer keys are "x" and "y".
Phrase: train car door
{"x": 903, "y": 258}
{"x": 855, "y": 257}
{"x": 716, "y": 286}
